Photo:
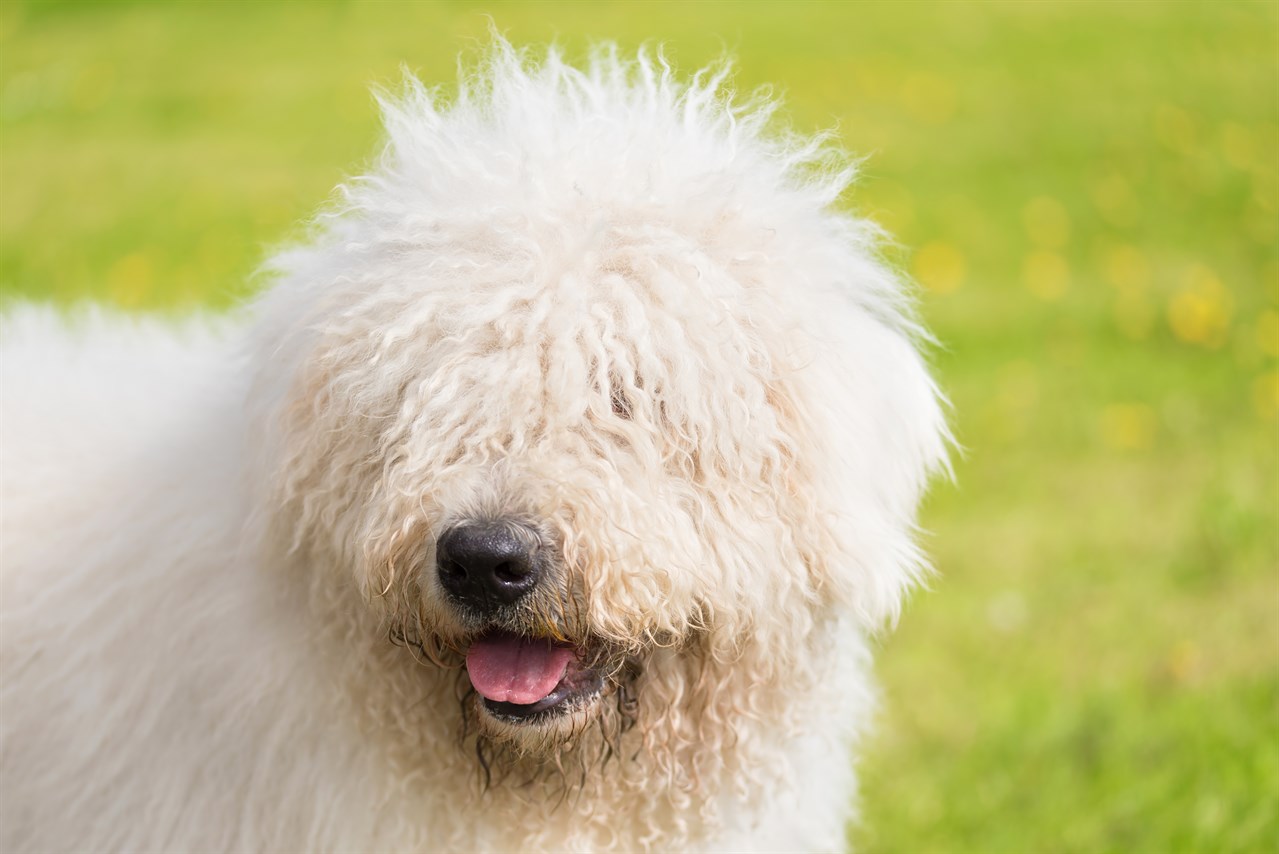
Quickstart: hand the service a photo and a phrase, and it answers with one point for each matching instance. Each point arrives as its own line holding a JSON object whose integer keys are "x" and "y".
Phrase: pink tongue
{"x": 509, "y": 669}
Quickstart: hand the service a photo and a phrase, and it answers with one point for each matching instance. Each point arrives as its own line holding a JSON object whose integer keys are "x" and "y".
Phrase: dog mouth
{"x": 526, "y": 680}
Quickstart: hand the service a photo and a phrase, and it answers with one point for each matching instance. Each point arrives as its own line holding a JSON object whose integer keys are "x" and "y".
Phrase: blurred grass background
{"x": 1089, "y": 197}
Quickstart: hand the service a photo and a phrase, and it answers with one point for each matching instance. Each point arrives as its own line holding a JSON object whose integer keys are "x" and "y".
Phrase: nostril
{"x": 509, "y": 572}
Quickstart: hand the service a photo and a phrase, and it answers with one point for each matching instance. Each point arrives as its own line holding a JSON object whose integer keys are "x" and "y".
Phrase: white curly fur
{"x": 619, "y": 304}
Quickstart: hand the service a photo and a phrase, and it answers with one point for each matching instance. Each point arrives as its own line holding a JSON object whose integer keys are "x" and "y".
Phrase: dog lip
{"x": 578, "y": 685}
{"x": 576, "y": 689}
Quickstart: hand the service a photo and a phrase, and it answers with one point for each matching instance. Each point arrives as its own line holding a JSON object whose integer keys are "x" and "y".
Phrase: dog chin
{"x": 541, "y": 730}
{"x": 529, "y": 687}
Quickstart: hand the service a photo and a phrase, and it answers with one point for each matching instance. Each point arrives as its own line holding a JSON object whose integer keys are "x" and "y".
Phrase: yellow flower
{"x": 940, "y": 267}
{"x": 1128, "y": 426}
{"x": 929, "y": 97}
{"x": 1046, "y": 274}
{"x": 1184, "y": 661}
{"x": 1199, "y": 313}
{"x": 1127, "y": 269}
{"x": 1237, "y": 145}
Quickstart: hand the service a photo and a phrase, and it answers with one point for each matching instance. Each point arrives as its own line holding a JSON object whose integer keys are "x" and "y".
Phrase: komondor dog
{"x": 544, "y": 500}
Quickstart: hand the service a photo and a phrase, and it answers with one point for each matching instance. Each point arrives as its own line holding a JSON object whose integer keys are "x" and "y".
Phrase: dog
{"x": 545, "y": 498}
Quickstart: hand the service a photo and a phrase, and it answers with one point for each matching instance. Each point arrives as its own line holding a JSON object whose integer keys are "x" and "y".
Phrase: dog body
{"x": 543, "y": 501}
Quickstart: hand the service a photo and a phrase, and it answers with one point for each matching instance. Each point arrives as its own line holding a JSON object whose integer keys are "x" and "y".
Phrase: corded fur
{"x": 618, "y": 304}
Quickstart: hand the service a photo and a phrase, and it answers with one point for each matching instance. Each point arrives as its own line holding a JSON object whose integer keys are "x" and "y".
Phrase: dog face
{"x": 597, "y": 400}
{"x": 560, "y": 469}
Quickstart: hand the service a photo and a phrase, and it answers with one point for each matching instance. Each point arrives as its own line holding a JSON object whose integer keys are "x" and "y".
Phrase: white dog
{"x": 545, "y": 500}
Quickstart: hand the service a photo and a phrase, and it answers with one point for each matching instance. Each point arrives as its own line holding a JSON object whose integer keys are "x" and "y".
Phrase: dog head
{"x": 599, "y": 399}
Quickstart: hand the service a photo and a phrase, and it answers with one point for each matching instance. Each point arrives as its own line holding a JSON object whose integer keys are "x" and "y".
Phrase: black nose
{"x": 487, "y": 564}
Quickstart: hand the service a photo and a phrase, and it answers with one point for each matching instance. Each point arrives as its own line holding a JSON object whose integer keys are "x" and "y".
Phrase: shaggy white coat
{"x": 624, "y": 305}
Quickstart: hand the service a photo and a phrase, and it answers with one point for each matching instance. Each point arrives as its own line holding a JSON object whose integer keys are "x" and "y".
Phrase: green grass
{"x": 1089, "y": 195}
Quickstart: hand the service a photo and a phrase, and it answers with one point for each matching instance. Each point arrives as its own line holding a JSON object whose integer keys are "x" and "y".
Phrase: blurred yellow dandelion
{"x": 1265, "y": 395}
{"x": 1199, "y": 313}
{"x": 1175, "y": 128}
{"x": 1128, "y": 426}
{"x": 130, "y": 278}
{"x": 929, "y": 97}
{"x": 872, "y": 79}
{"x": 940, "y": 267}
{"x": 1046, "y": 274}
{"x": 1237, "y": 145}
{"x": 1047, "y": 223}
{"x": 1184, "y": 661}
{"x": 1115, "y": 200}
{"x": 1127, "y": 269}
{"x": 1268, "y": 332}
